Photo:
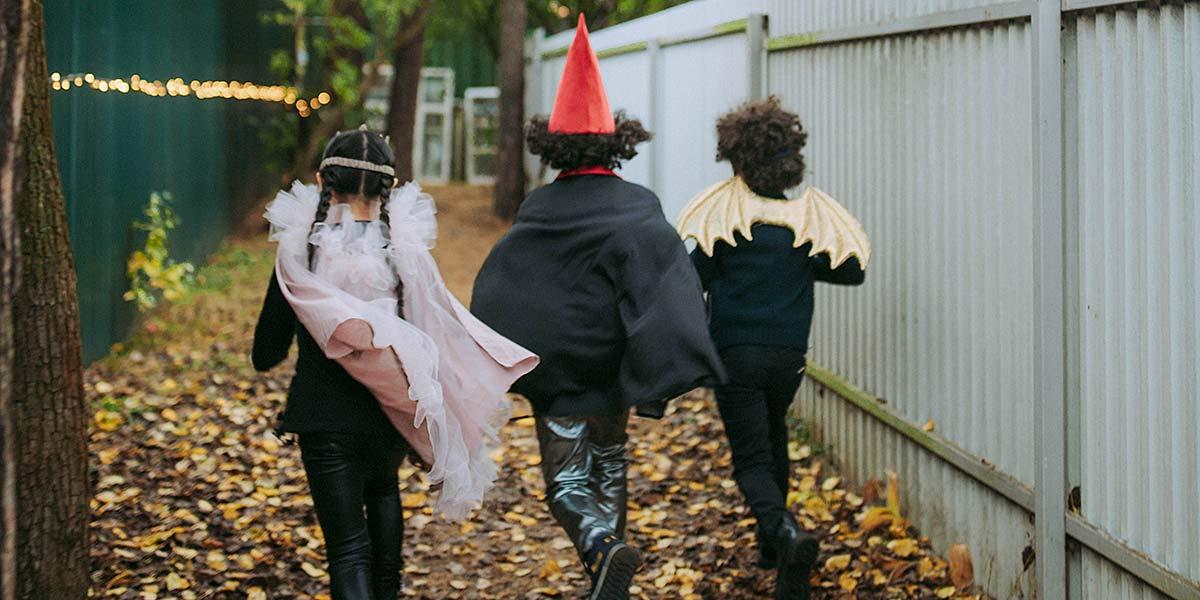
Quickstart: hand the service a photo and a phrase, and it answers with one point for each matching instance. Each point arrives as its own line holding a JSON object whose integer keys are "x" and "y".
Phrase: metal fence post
{"x": 533, "y": 100}
{"x": 1048, "y": 294}
{"x": 756, "y": 56}
{"x": 1074, "y": 300}
{"x": 653, "y": 53}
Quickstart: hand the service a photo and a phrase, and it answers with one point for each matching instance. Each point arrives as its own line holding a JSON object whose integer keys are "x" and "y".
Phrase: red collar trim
{"x": 587, "y": 171}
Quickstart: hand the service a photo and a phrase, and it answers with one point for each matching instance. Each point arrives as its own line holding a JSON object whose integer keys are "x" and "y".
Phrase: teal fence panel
{"x": 115, "y": 149}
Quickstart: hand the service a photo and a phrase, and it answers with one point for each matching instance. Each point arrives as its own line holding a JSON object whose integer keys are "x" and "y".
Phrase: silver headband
{"x": 354, "y": 163}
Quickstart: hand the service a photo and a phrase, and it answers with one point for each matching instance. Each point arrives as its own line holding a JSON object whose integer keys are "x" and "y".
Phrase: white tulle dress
{"x": 439, "y": 373}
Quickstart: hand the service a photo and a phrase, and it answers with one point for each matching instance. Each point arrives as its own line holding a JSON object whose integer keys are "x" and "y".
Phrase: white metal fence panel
{"x": 927, "y": 140}
{"x": 950, "y": 507}
{"x": 697, "y": 83}
{"x": 1136, "y": 172}
{"x": 685, "y": 18}
{"x": 627, "y": 79}
{"x": 804, "y": 16}
{"x": 1103, "y": 580}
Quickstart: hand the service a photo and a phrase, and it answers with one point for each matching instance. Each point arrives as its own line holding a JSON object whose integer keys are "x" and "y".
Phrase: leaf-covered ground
{"x": 195, "y": 498}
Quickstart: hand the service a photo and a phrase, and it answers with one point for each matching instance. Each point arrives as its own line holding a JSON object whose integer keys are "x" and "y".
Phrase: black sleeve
{"x": 706, "y": 267}
{"x": 275, "y": 330}
{"x": 849, "y": 273}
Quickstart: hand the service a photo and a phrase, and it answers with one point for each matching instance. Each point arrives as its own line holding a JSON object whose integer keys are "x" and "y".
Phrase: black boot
{"x": 611, "y": 564}
{"x": 796, "y": 552}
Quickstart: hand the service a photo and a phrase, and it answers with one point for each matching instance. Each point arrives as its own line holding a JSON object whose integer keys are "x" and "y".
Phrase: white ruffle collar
{"x": 412, "y": 214}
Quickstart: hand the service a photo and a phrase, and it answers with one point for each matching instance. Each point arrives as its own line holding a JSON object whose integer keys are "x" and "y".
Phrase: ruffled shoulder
{"x": 413, "y": 217}
{"x": 292, "y": 211}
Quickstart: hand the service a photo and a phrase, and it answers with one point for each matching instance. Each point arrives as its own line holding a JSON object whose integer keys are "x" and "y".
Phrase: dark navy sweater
{"x": 760, "y": 292}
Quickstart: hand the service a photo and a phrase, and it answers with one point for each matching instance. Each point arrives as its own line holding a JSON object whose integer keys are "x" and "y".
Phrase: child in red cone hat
{"x": 594, "y": 279}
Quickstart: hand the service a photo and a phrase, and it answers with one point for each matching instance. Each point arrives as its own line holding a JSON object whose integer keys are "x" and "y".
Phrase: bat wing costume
{"x": 730, "y": 207}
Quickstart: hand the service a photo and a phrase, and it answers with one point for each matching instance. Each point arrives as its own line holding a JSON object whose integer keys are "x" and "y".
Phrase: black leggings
{"x": 347, "y": 474}
{"x": 754, "y": 405}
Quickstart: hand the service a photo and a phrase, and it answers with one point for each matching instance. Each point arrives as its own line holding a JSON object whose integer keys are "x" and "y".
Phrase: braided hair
{"x": 365, "y": 145}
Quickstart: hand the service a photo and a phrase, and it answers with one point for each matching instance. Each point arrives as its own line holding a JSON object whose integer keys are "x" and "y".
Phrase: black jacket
{"x": 323, "y": 396}
{"x": 760, "y": 292}
{"x": 594, "y": 280}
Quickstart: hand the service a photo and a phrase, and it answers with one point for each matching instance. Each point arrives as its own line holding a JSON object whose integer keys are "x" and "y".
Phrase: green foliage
{"x": 152, "y": 273}
{"x": 482, "y": 17}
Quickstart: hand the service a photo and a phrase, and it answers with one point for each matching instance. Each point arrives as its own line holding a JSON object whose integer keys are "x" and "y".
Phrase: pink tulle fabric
{"x": 439, "y": 373}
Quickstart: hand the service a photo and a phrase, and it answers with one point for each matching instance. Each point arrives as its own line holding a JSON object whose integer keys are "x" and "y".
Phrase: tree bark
{"x": 14, "y": 22}
{"x": 48, "y": 406}
{"x": 407, "y": 58}
{"x": 510, "y": 164}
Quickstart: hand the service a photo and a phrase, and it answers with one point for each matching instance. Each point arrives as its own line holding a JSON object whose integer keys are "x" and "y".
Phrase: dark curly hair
{"x": 564, "y": 151}
{"x": 763, "y": 141}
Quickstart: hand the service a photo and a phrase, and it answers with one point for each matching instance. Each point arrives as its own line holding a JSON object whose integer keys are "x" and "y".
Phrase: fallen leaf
{"x": 312, "y": 570}
{"x": 550, "y": 569}
{"x": 175, "y": 582}
{"x": 847, "y": 582}
{"x": 837, "y": 563}
{"x": 962, "y": 570}
{"x": 903, "y": 548}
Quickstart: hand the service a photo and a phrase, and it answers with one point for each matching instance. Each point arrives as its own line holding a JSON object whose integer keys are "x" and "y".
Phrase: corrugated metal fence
{"x": 1029, "y": 172}
{"x": 115, "y": 149}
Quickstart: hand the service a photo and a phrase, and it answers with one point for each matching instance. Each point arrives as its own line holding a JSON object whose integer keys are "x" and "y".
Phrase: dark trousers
{"x": 754, "y": 405}
{"x": 356, "y": 495}
{"x": 584, "y": 461}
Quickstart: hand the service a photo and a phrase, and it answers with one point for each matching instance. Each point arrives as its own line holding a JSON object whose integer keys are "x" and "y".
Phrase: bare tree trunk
{"x": 14, "y": 22}
{"x": 510, "y": 163}
{"x": 48, "y": 406}
{"x": 406, "y": 77}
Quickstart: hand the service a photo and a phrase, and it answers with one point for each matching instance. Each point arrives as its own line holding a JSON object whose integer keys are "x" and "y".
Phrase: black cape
{"x": 594, "y": 280}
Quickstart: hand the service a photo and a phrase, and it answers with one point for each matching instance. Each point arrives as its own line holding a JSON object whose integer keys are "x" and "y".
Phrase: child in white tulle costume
{"x": 384, "y": 349}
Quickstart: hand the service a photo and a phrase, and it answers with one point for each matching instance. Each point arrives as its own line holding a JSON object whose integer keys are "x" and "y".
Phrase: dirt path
{"x": 197, "y": 499}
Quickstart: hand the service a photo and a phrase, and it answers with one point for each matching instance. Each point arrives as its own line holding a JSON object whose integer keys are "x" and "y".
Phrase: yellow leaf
{"x": 876, "y": 517}
{"x": 798, "y": 451}
{"x": 945, "y": 592}
{"x": 831, "y": 483}
{"x": 893, "y": 493}
{"x": 925, "y": 567}
{"x": 837, "y": 563}
{"x": 458, "y": 584}
{"x": 216, "y": 561}
{"x": 175, "y": 582}
{"x": 256, "y": 593}
{"x": 312, "y": 570}
{"x": 520, "y": 518}
{"x": 107, "y": 420}
{"x": 903, "y": 548}
{"x": 929, "y": 426}
{"x": 846, "y": 582}
{"x": 415, "y": 500}
{"x": 550, "y": 569}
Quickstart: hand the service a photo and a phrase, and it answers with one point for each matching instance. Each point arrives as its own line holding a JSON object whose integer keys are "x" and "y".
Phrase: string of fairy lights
{"x": 204, "y": 90}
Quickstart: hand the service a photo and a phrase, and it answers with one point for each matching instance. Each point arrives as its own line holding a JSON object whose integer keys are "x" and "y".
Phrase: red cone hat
{"x": 581, "y": 106}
